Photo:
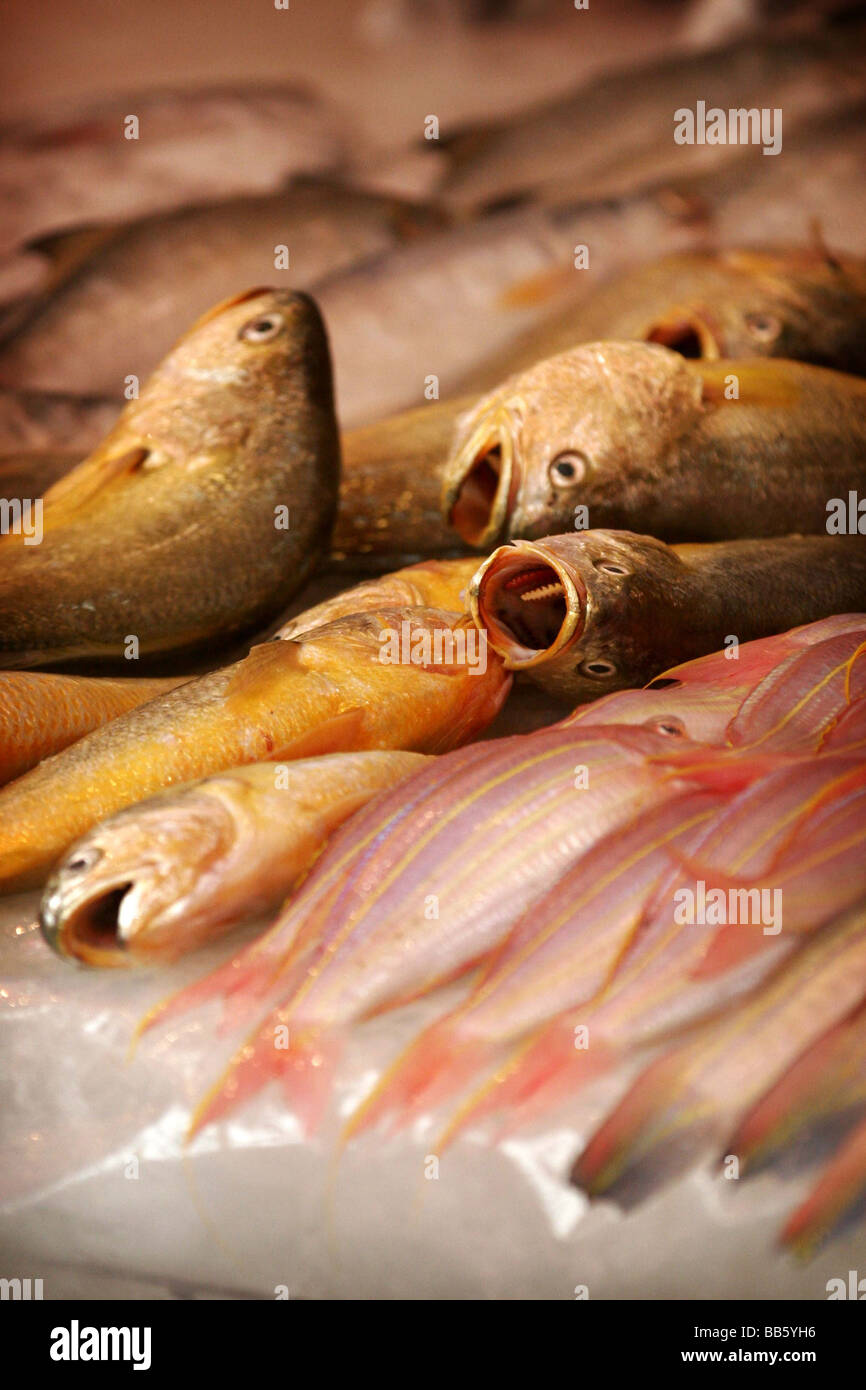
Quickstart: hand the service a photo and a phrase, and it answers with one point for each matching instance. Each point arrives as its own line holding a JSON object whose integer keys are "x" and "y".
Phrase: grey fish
{"x": 130, "y": 302}
{"x": 74, "y": 165}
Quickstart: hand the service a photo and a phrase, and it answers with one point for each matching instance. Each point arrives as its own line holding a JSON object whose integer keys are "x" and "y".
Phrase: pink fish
{"x": 659, "y": 985}
{"x": 408, "y": 910}
{"x": 697, "y": 1092}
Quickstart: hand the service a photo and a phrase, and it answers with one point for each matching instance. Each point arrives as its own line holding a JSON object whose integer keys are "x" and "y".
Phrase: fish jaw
{"x": 521, "y": 595}
{"x": 119, "y": 893}
{"x": 481, "y": 483}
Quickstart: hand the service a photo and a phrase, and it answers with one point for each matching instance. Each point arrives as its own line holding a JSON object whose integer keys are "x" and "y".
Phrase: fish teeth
{"x": 546, "y": 591}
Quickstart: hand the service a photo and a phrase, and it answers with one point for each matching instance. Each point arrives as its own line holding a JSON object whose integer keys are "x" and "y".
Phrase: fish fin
{"x": 541, "y": 1070}
{"x": 431, "y": 1068}
{"x": 78, "y": 488}
{"x": 655, "y": 1120}
{"x": 264, "y": 663}
{"x": 340, "y": 733}
{"x": 537, "y": 289}
{"x": 301, "y": 1058}
{"x": 840, "y": 1187}
{"x": 761, "y": 383}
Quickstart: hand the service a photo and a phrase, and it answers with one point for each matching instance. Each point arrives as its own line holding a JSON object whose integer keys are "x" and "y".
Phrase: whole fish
{"x": 203, "y": 510}
{"x": 406, "y": 678}
{"x": 805, "y": 304}
{"x": 32, "y": 422}
{"x": 633, "y": 436}
{"x": 42, "y": 713}
{"x": 133, "y": 298}
{"x": 618, "y": 132}
{"x": 596, "y": 611}
{"x": 394, "y": 907}
{"x": 440, "y": 584}
{"x": 163, "y": 878}
{"x": 698, "y": 1092}
{"x": 77, "y": 165}
{"x": 440, "y": 308}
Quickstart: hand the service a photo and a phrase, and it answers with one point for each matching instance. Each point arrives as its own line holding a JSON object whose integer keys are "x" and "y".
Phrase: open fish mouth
{"x": 688, "y": 335}
{"x": 481, "y": 491}
{"x": 92, "y": 930}
{"x": 528, "y": 602}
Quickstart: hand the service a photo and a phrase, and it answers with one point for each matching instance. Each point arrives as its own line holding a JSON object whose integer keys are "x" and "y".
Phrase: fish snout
{"x": 82, "y": 910}
{"x": 531, "y": 604}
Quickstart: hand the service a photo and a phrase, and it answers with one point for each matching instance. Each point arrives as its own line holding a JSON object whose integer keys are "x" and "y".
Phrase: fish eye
{"x": 597, "y": 669}
{"x": 567, "y": 469}
{"x": 670, "y": 725}
{"x": 764, "y": 328}
{"x": 84, "y": 860}
{"x": 612, "y": 567}
{"x": 261, "y": 329}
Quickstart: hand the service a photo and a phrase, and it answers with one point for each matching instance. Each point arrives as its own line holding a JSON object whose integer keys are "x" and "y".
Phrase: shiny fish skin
{"x": 630, "y": 606}
{"x": 168, "y": 531}
{"x": 163, "y": 878}
{"x": 42, "y": 713}
{"x": 328, "y": 691}
{"x": 646, "y": 441}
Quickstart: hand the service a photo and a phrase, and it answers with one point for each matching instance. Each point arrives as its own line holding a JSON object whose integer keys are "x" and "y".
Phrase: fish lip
{"x": 487, "y": 584}
{"x": 493, "y": 434}
{"x": 69, "y": 919}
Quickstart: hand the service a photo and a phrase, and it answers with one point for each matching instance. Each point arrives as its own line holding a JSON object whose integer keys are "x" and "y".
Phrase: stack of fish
{"x": 644, "y": 499}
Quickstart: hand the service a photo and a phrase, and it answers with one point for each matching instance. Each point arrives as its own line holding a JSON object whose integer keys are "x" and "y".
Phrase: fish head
{"x": 126, "y": 885}
{"x": 263, "y": 347}
{"x": 575, "y": 610}
{"x": 797, "y": 304}
{"x": 572, "y": 430}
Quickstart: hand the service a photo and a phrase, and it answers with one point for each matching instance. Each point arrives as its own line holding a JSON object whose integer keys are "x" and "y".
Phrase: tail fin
{"x": 302, "y": 1059}
{"x": 543, "y": 1070}
{"x": 841, "y": 1185}
{"x": 432, "y": 1068}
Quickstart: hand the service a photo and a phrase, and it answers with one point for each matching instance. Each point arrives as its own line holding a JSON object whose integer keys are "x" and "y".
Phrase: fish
{"x": 442, "y": 308}
{"x": 439, "y": 584}
{"x": 825, "y": 1087}
{"x": 165, "y": 877}
{"x": 803, "y": 303}
{"x": 797, "y": 825}
{"x": 701, "y": 698}
{"x": 595, "y": 611}
{"x": 204, "y": 509}
{"x": 617, "y": 132}
{"x": 633, "y": 436}
{"x": 692, "y": 1095}
{"x": 838, "y": 1190}
{"x": 38, "y": 422}
{"x": 328, "y": 691}
{"x": 82, "y": 164}
{"x": 129, "y": 302}
{"x": 40, "y": 713}
{"x": 394, "y": 908}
